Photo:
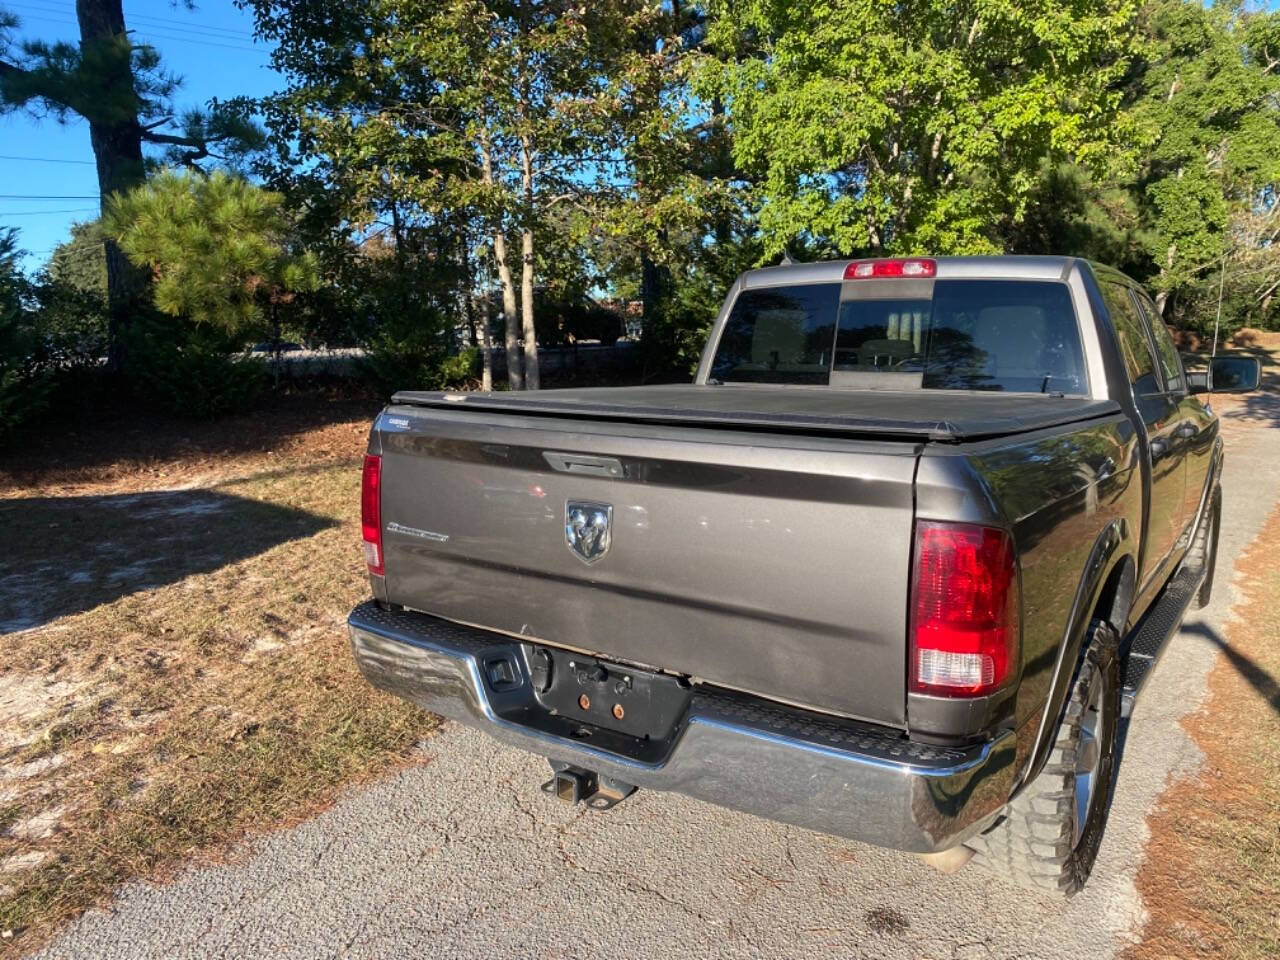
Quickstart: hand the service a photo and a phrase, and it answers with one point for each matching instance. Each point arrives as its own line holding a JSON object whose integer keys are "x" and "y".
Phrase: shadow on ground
{"x": 1261, "y": 407}
{"x": 1267, "y": 686}
{"x": 1258, "y": 678}
{"x": 126, "y": 440}
{"x": 65, "y": 555}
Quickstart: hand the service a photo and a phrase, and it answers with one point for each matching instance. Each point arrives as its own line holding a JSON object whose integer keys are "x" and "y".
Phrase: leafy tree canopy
{"x": 916, "y": 126}
{"x": 218, "y": 247}
{"x": 81, "y": 262}
{"x": 1207, "y": 97}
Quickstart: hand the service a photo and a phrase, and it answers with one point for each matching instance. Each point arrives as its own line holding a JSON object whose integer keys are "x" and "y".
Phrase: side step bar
{"x": 1155, "y": 631}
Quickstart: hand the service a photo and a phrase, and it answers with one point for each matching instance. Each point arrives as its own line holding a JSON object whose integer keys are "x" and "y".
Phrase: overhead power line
{"x": 178, "y": 23}
{"x": 148, "y": 32}
{"x": 45, "y": 213}
{"x": 6, "y": 156}
{"x": 48, "y": 196}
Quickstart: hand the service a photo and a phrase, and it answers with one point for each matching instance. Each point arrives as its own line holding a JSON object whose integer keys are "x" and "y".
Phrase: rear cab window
{"x": 779, "y": 335}
{"x": 1135, "y": 347}
{"x": 1019, "y": 336}
{"x": 1166, "y": 352}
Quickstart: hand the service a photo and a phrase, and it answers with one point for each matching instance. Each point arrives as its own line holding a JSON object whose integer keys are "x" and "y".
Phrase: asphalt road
{"x": 464, "y": 857}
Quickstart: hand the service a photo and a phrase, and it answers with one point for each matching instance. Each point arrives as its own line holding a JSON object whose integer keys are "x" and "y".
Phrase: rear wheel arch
{"x": 1105, "y": 592}
{"x": 1116, "y": 597}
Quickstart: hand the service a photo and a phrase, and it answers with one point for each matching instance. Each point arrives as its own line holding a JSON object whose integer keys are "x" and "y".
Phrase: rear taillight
{"x": 907, "y": 268}
{"x": 371, "y": 513}
{"x": 964, "y": 610}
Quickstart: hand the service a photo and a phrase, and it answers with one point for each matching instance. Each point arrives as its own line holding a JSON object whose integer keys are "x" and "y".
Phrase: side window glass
{"x": 1132, "y": 334}
{"x": 1170, "y": 362}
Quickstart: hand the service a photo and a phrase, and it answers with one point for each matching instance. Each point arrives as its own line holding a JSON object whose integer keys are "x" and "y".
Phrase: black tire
{"x": 1204, "y": 548}
{"x": 1039, "y": 842}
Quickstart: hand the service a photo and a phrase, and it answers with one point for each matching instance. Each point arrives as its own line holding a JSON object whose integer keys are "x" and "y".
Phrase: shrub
{"x": 23, "y": 395}
{"x": 193, "y": 371}
{"x": 72, "y": 322}
{"x": 413, "y": 353}
{"x": 24, "y": 376}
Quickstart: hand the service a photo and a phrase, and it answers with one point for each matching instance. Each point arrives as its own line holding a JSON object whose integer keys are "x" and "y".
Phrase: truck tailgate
{"x": 769, "y": 563}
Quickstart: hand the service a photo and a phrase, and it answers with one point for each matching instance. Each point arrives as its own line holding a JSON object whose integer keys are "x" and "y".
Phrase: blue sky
{"x": 211, "y": 48}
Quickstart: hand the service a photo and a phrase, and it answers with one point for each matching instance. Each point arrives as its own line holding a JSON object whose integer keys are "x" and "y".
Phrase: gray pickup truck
{"x": 893, "y": 567}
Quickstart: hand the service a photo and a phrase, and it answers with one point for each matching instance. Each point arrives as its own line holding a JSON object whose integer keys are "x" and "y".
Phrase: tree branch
{"x": 196, "y": 151}
{"x": 152, "y": 137}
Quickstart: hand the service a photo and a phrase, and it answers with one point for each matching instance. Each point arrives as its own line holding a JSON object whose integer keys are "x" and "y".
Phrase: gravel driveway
{"x": 464, "y": 857}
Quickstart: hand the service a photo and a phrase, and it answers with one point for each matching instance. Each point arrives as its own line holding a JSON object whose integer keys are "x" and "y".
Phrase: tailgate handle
{"x": 584, "y": 464}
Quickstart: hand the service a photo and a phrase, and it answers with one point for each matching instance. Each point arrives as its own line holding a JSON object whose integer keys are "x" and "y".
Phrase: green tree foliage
{"x": 408, "y": 355}
{"x": 446, "y": 164}
{"x": 1207, "y": 97}
{"x": 485, "y": 122}
{"x": 362, "y": 169}
{"x": 224, "y": 267}
{"x": 918, "y": 126}
{"x": 69, "y": 298}
{"x": 81, "y": 262}
{"x": 192, "y": 370}
{"x": 24, "y": 380}
{"x": 1070, "y": 212}
{"x": 218, "y": 247}
{"x": 123, "y": 93}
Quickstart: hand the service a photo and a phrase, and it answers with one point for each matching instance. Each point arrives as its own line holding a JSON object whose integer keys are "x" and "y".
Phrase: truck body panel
{"x": 748, "y": 546}
{"x": 777, "y": 570}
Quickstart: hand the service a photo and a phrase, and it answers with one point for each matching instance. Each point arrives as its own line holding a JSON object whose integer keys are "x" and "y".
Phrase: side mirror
{"x": 1234, "y": 374}
{"x": 1198, "y": 381}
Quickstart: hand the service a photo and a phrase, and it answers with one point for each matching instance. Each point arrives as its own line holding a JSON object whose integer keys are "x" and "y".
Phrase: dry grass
{"x": 185, "y": 676}
{"x": 1212, "y": 877}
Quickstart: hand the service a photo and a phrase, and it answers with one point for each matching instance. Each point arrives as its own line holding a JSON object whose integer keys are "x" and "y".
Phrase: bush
{"x": 72, "y": 322}
{"x": 413, "y": 353}
{"x": 192, "y": 371}
{"x": 22, "y": 396}
{"x": 24, "y": 377}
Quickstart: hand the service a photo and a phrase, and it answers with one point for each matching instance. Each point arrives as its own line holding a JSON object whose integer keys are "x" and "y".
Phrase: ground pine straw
{"x": 187, "y": 678}
{"x": 1211, "y": 882}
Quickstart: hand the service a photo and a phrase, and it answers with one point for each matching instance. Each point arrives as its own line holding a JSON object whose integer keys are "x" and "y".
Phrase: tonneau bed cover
{"x": 968, "y": 416}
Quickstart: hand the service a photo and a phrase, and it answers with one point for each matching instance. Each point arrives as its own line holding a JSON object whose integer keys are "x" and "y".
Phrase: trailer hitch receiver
{"x": 575, "y": 785}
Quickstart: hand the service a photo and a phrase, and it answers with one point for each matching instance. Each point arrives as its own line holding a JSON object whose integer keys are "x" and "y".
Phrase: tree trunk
{"x": 532, "y": 378}
{"x": 655, "y": 284}
{"x": 116, "y": 138}
{"x": 486, "y": 347}
{"x": 1163, "y": 296}
{"x": 510, "y": 319}
{"x": 510, "y": 315}
{"x": 477, "y": 319}
{"x": 275, "y": 343}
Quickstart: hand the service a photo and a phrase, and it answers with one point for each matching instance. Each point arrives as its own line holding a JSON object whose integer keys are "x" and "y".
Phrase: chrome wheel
{"x": 1087, "y": 756}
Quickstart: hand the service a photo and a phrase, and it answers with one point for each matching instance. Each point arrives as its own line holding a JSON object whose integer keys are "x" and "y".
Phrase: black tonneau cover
{"x": 945, "y": 415}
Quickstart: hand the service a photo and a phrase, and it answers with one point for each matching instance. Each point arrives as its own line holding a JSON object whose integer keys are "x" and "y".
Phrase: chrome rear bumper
{"x": 849, "y": 779}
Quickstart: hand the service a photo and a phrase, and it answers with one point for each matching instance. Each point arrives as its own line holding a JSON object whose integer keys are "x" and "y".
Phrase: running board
{"x": 1155, "y": 631}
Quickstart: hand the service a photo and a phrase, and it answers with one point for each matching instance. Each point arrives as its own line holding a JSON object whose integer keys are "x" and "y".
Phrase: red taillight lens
{"x": 371, "y": 513}
{"x": 964, "y": 610}
{"x": 905, "y": 268}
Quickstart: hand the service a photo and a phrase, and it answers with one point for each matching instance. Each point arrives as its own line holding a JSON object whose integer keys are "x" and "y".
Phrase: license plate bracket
{"x": 613, "y": 696}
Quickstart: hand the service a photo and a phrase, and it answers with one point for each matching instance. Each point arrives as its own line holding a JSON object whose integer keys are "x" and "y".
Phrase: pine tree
{"x": 121, "y": 91}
